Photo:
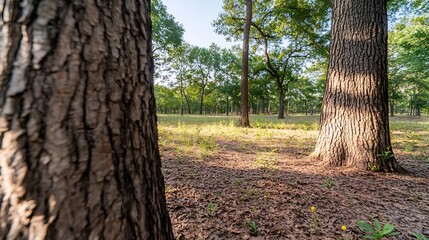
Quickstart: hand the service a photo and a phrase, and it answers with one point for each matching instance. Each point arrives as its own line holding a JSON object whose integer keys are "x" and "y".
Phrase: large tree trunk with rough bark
{"x": 79, "y": 153}
{"x": 354, "y": 127}
{"x": 244, "y": 85}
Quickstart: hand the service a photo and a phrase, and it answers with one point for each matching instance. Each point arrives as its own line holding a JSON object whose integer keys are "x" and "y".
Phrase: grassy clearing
{"x": 410, "y": 136}
{"x": 200, "y": 136}
{"x": 239, "y": 181}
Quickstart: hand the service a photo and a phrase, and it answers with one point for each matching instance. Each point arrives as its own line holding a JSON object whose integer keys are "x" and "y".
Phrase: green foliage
{"x": 212, "y": 208}
{"x": 167, "y": 33}
{"x": 167, "y": 188}
{"x": 408, "y": 57}
{"x": 372, "y": 167}
{"x": 313, "y": 219}
{"x": 253, "y": 227}
{"x": 377, "y": 230}
{"x": 266, "y": 160}
{"x": 419, "y": 236}
{"x": 330, "y": 183}
{"x": 291, "y": 35}
{"x": 387, "y": 154}
{"x": 284, "y": 34}
{"x": 238, "y": 182}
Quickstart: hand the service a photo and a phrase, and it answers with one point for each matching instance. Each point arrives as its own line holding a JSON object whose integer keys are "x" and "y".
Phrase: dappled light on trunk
{"x": 354, "y": 124}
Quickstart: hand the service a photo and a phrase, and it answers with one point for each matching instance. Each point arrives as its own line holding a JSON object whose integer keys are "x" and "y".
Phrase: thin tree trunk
{"x": 305, "y": 108}
{"x": 269, "y": 107}
{"x": 281, "y": 114}
{"x": 188, "y": 103}
{"x": 202, "y": 99}
{"x": 79, "y": 152}
{"x": 416, "y": 105}
{"x": 244, "y": 119}
{"x": 354, "y": 129}
{"x": 227, "y": 105}
{"x": 181, "y": 98}
{"x": 287, "y": 107}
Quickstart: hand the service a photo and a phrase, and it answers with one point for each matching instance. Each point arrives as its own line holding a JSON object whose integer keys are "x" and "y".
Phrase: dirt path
{"x": 223, "y": 196}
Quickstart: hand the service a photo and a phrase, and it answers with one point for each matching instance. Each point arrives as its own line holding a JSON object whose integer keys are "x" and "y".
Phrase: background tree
{"x": 244, "y": 120}
{"x": 408, "y": 58}
{"x": 167, "y": 37}
{"x": 167, "y": 33}
{"x": 79, "y": 152}
{"x": 228, "y": 81}
{"x": 354, "y": 125}
{"x": 281, "y": 31}
{"x": 206, "y": 64}
{"x": 179, "y": 73}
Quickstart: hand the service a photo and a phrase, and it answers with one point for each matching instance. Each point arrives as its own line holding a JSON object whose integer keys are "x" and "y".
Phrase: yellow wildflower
{"x": 313, "y": 209}
{"x": 344, "y": 228}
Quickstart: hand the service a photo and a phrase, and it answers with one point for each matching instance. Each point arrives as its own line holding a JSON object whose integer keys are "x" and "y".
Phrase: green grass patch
{"x": 195, "y": 137}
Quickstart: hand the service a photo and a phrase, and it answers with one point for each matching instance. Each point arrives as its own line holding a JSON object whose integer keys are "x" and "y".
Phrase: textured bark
{"x": 79, "y": 153}
{"x": 244, "y": 119}
{"x": 354, "y": 127}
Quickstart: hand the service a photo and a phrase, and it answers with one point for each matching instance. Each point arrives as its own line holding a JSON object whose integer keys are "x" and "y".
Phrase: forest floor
{"x": 225, "y": 182}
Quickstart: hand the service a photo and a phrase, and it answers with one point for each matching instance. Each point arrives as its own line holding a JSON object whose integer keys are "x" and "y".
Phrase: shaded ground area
{"x": 247, "y": 189}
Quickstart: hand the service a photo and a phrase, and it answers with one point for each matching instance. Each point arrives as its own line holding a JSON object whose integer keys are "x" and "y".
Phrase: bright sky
{"x": 196, "y": 17}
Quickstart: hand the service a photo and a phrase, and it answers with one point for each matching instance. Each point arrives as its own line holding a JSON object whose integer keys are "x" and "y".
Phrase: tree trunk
{"x": 202, "y": 99}
{"x": 281, "y": 103}
{"x": 392, "y": 107}
{"x": 79, "y": 150}
{"x": 269, "y": 107}
{"x": 227, "y": 105}
{"x": 305, "y": 108}
{"x": 244, "y": 119}
{"x": 416, "y": 105}
{"x": 354, "y": 129}
{"x": 287, "y": 107}
{"x": 182, "y": 107}
{"x": 188, "y": 103}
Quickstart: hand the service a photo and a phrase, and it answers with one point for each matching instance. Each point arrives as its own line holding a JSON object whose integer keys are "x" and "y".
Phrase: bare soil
{"x": 219, "y": 197}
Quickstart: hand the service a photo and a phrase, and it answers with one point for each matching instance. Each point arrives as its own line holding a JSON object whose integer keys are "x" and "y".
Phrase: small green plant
{"x": 266, "y": 196}
{"x": 313, "y": 219}
{"x": 377, "y": 231}
{"x": 267, "y": 160}
{"x": 411, "y": 135}
{"x": 253, "y": 227}
{"x": 372, "y": 167}
{"x": 238, "y": 182}
{"x": 388, "y": 154}
{"x": 409, "y": 147}
{"x": 419, "y": 236}
{"x": 345, "y": 235}
{"x": 330, "y": 183}
{"x": 211, "y": 209}
{"x": 167, "y": 188}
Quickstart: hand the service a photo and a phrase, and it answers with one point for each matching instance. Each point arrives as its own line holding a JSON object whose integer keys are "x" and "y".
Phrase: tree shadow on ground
{"x": 218, "y": 197}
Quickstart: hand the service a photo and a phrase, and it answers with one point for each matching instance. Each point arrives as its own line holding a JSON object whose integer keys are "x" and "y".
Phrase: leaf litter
{"x": 225, "y": 194}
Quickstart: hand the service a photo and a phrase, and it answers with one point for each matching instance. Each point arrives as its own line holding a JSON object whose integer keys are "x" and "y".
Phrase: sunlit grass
{"x": 410, "y": 136}
{"x": 199, "y": 137}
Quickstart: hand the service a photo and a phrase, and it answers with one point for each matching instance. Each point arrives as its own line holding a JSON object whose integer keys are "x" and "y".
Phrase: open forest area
{"x": 214, "y": 119}
{"x": 226, "y": 182}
